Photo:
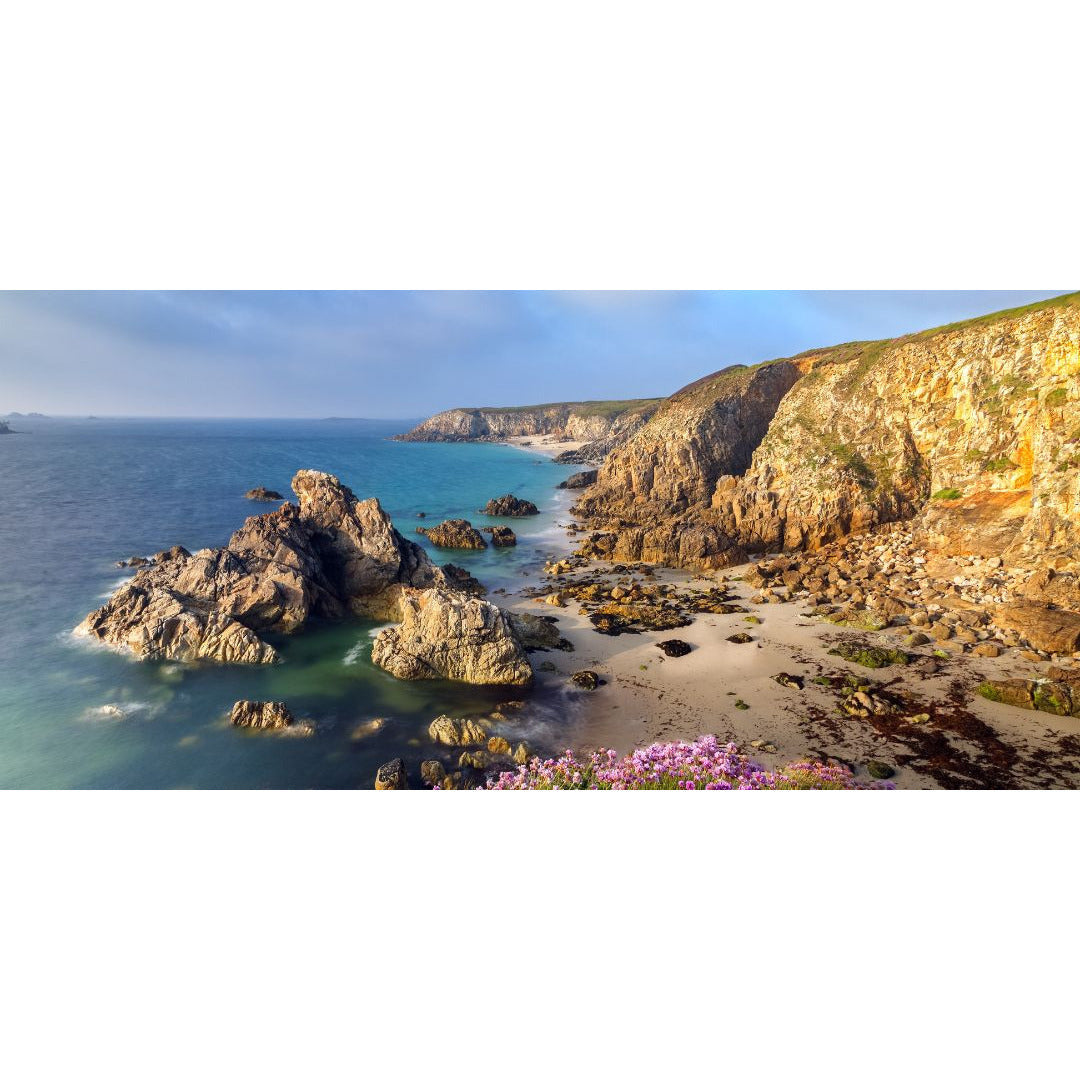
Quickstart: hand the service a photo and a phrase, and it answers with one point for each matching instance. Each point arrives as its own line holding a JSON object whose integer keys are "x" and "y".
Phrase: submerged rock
{"x": 454, "y": 533}
{"x": 510, "y": 506}
{"x": 262, "y": 494}
{"x": 445, "y": 635}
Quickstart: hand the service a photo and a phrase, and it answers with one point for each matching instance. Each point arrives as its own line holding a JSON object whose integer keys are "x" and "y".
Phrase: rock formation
{"x": 391, "y": 776}
{"x": 449, "y": 636}
{"x": 975, "y": 428}
{"x": 261, "y": 714}
{"x": 454, "y": 533}
{"x": 580, "y": 480}
{"x": 510, "y": 506}
{"x": 329, "y": 557}
{"x": 501, "y": 535}
{"x": 262, "y": 494}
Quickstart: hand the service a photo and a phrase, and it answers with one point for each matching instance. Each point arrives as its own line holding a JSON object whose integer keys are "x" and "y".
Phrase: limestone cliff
{"x": 974, "y": 428}
{"x": 603, "y": 423}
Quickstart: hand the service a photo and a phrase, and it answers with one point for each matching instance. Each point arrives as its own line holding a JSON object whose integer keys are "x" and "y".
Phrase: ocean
{"x": 76, "y": 496}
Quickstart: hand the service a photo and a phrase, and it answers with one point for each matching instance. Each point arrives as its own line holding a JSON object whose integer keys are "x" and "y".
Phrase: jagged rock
{"x": 521, "y": 754}
{"x": 498, "y": 746}
{"x": 673, "y": 647}
{"x": 454, "y": 533}
{"x": 261, "y": 714}
{"x": 432, "y": 773}
{"x": 585, "y": 680}
{"x": 262, "y": 494}
{"x": 329, "y": 557}
{"x": 391, "y": 776}
{"x": 510, "y": 506}
{"x": 462, "y": 581}
{"x": 451, "y": 732}
{"x": 580, "y": 480}
{"x": 446, "y": 635}
{"x": 135, "y": 561}
{"x": 501, "y": 535}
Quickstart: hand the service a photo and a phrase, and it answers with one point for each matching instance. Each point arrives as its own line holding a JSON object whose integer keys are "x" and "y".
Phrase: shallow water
{"x": 77, "y": 495}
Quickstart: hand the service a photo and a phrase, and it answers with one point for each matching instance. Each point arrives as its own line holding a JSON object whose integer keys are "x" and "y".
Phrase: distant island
{"x": 26, "y": 416}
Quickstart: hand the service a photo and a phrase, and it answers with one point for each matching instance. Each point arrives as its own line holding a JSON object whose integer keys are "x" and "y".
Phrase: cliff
{"x": 603, "y": 423}
{"x": 972, "y": 429}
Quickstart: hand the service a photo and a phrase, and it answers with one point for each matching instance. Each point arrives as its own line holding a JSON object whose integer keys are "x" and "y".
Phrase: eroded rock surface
{"x": 268, "y": 715}
{"x": 446, "y": 635}
{"x": 510, "y": 506}
{"x": 330, "y": 556}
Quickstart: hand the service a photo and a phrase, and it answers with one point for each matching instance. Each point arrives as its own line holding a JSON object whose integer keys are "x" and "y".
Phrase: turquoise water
{"x": 78, "y": 495}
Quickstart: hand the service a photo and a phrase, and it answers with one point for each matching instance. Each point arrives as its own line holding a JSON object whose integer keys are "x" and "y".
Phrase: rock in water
{"x": 454, "y": 533}
{"x": 585, "y": 680}
{"x": 331, "y": 556}
{"x": 501, "y": 535}
{"x": 580, "y": 480}
{"x": 262, "y": 494}
{"x": 391, "y": 776}
{"x": 432, "y": 773}
{"x": 451, "y": 732}
{"x": 509, "y": 506}
{"x": 267, "y": 715}
{"x": 445, "y": 635}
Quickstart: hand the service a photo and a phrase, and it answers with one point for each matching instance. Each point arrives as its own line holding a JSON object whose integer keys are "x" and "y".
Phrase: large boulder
{"x": 391, "y": 776}
{"x": 330, "y": 556}
{"x": 1049, "y": 629}
{"x": 501, "y": 535}
{"x": 580, "y": 480}
{"x": 268, "y": 715}
{"x": 447, "y": 635}
{"x": 509, "y": 506}
{"x": 451, "y": 732}
{"x": 454, "y": 533}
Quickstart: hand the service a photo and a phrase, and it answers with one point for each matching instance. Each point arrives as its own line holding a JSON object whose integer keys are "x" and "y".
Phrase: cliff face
{"x": 593, "y": 422}
{"x": 974, "y": 428}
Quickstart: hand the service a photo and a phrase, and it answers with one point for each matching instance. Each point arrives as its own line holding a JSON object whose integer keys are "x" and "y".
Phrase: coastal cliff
{"x": 600, "y": 424}
{"x": 972, "y": 429}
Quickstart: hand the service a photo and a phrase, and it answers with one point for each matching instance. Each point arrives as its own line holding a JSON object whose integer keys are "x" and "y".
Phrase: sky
{"x": 410, "y": 354}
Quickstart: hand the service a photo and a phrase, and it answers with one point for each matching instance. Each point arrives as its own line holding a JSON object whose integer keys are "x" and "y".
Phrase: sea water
{"x": 76, "y": 496}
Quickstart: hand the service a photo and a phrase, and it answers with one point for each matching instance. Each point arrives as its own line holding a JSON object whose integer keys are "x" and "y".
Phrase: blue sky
{"x": 409, "y": 354}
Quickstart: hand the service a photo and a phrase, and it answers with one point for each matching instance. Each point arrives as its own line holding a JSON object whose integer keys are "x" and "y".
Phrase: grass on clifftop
{"x": 609, "y": 409}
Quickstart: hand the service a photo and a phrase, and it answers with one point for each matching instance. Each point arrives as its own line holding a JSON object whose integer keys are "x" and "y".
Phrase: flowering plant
{"x": 705, "y": 764}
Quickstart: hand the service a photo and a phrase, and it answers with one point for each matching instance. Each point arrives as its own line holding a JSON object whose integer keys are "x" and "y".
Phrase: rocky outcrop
{"x": 5, "y": 429}
{"x": 510, "y": 506}
{"x": 328, "y": 557}
{"x": 1042, "y": 627}
{"x": 974, "y": 428}
{"x": 267, "y": 715}
{"x": 454, "y": 533}
{"x": 262, "y": 494}
{"x": 451, "y": 732}
{"x": 446, "y": 635}
{"x": 501, "y": 535}
{"x": 580, "y": 480}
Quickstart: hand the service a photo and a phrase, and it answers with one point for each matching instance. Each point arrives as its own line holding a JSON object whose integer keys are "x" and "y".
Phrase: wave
{"x": 115, "y": 710}
{"x": 357, "y": 651}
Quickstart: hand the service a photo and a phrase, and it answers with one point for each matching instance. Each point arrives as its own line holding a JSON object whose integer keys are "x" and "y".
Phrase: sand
{"x": 647, "y": 697}
{"x": 548, "y": 445}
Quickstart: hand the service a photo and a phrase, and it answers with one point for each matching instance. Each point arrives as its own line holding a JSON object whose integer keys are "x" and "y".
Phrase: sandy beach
{"x": 648, "y": 697}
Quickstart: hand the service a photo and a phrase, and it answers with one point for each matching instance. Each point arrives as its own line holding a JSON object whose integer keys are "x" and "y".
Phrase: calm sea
{"x": 77, "y": 495}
